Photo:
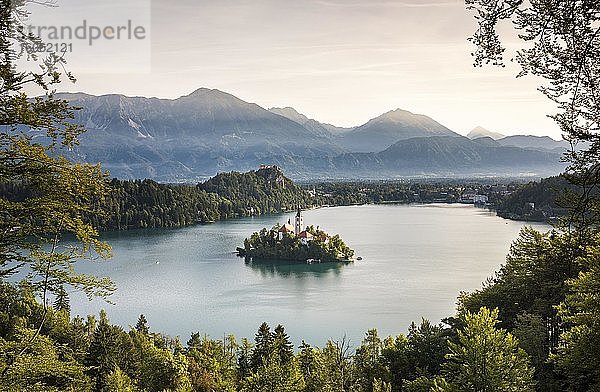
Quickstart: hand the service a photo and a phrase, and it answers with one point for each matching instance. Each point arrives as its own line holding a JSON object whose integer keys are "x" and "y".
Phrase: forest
{"x": 537, "y": 201}
{"x": 420, "y": 190}
{"x": 91, "y": 354}
{"x": 135, "y": 204}
{"x": 148, "y": 204}
{"x": 139, "y": 204}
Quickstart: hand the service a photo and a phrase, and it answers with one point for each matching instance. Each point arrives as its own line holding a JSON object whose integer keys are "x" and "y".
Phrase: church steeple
{"x": 299, "y": 222}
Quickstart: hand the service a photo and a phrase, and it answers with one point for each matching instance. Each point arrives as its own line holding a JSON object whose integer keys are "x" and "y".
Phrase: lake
{"x": 416, "y": 260}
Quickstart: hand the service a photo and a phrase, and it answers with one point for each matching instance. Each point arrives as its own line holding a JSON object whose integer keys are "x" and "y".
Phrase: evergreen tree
{"x": 396, "y": 356}
{"x": 244, "y": 362}
{"x": 118, "y": 381}
{"x": 159, "y": 368}
{"x": 311, "y": 368}
{"x": 485, "y": 358}
{"x": 62, "y": 300}
{"x": 110, "y": 348}
{"x": 369, "y": 362}
{"x": 263, "y": 347}
{"x": 195, "y": 341}
{"x": 142, "y": 325}
{"x": 427, "y": 347}
{"x": 533, "y": 280}
{"x": 577, "y": 358}
{"x": 273, "y": 376}
{"x": 282, "y": 345}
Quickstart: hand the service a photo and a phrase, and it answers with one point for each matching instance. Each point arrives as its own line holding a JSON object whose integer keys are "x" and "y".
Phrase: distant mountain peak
{"x": 406, "y": 117}
{"x": 287, "y": 109}
{"x": 204, "y": 90}
{"x": 390, "y": 127}
{"x": 291, "y": 113}
{"x": 398, "y": 114}
{"x": 480, "y": 131}
{"x": 208, "y": 92}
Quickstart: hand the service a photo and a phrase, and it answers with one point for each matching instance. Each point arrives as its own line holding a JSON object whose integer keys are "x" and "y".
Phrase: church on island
{"x": 295, "y": 242}
{"x": 298, "y": 229}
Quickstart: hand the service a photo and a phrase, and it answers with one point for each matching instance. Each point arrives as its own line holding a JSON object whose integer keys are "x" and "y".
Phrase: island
{"x": 295, "y": 243}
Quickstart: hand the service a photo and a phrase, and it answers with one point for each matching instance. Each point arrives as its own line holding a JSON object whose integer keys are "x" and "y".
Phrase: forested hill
{"x": 147, "y": 204}
{"x": 536, "y": 201}
{"x": 262, "y": 191}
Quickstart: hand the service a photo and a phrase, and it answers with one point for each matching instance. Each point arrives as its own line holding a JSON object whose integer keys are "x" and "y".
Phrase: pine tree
{"x": 110, "y": 349}
{"x": 62, "y": 300}
{"x": 142, "y": 325}
{"x": 369, "y": 363}
{"x": 194, "y": 342}
{"x": 244, "y": 361}
{"x": 282, "y": 345}
{"x": 263, "y": 346}
{"x": 485, "y": 358}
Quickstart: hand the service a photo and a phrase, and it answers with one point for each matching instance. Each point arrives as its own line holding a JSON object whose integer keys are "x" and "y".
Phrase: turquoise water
{"x": 416, "y": 260}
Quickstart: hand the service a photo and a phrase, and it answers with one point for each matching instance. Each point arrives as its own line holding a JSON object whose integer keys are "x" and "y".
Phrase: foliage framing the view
{"x": 60, "y": 193}
{"x": 561, "y": 45}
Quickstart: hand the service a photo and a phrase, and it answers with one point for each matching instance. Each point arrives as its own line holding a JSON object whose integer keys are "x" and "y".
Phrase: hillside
{"x": 148, "y": 204}
{"x": 534, "y": 142}
{"x": 449, "y": 156}
{"x": 536, "y": 201}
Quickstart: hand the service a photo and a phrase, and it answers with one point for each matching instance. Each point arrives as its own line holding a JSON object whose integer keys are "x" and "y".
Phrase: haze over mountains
{"x": 530, "y": 142}
{"x": 210, "y": 131}
{"x": 480, "y": 131}
{"x": 383, "y": 131}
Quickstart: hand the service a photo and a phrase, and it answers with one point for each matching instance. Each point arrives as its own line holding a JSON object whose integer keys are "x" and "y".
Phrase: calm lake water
{"x": 416, "y": 260}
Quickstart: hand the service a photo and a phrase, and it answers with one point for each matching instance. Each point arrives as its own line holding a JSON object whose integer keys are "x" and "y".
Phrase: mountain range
{"x": 529, "y": 142}
{"x": 210, "y": 131}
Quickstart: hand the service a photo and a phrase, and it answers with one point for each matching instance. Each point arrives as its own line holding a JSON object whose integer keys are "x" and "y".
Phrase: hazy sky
{"x": 337, "y": 61}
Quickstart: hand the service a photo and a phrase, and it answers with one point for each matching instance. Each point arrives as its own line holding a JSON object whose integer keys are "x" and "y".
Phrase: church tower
{"x": 299, "y": 223}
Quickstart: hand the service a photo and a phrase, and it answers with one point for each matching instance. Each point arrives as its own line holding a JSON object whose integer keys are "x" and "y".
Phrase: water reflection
{"x": 297, "y": 270}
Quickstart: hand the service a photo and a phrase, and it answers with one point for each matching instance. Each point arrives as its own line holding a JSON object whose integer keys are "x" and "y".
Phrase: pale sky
{"x": 337, "y": 61}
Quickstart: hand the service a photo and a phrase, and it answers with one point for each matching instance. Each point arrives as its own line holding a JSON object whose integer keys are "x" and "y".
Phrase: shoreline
{"x": 399, "y": 202}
